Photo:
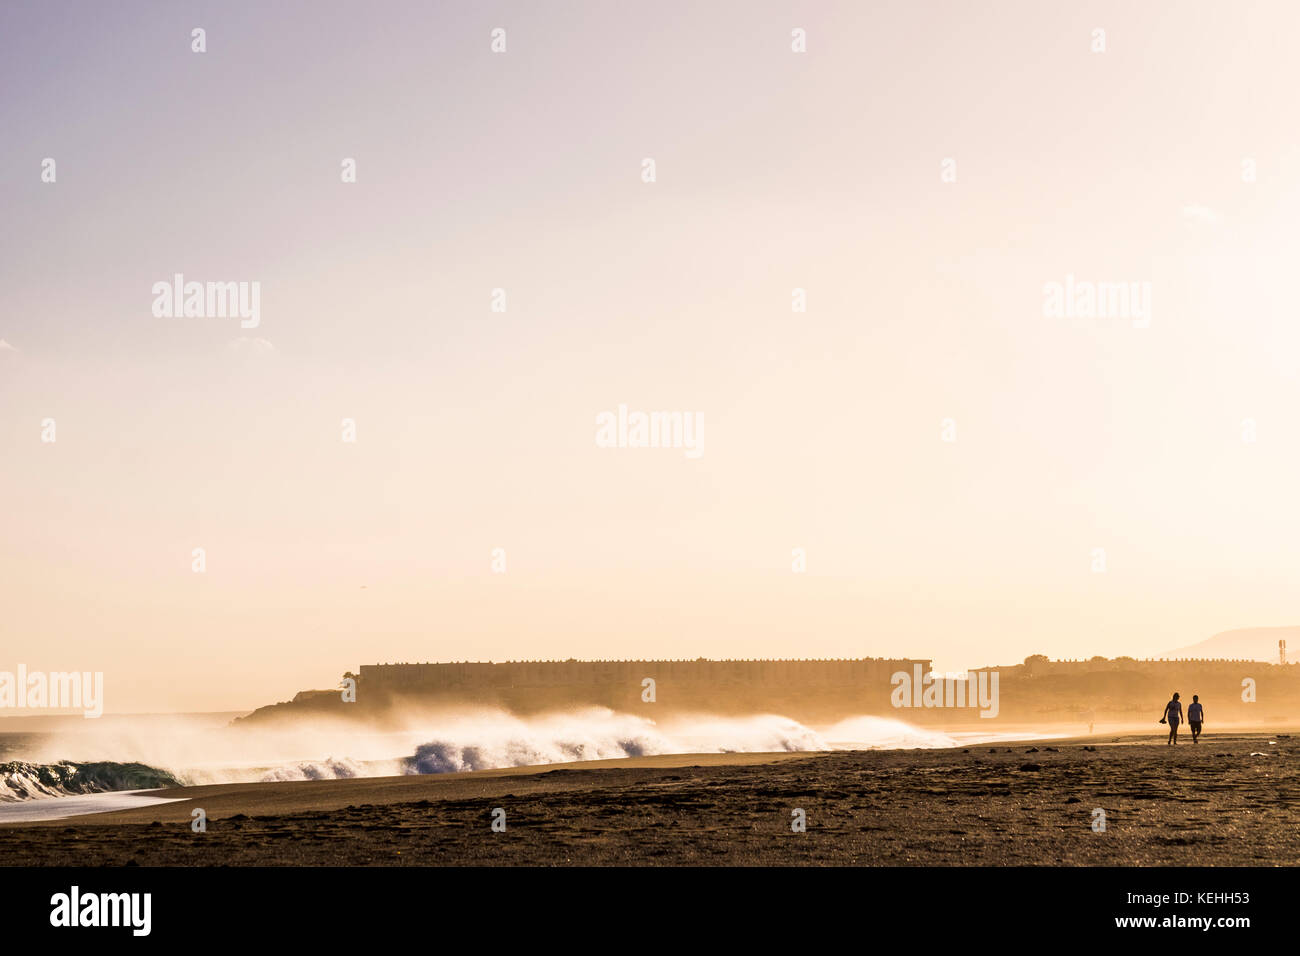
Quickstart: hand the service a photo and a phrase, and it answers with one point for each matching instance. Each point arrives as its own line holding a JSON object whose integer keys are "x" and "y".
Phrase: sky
{"x": 947, "y": 453}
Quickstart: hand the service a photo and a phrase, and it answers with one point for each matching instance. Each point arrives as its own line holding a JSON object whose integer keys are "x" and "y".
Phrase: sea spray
{"x": 508, "y": 741}
{"x": 444, "y": 741}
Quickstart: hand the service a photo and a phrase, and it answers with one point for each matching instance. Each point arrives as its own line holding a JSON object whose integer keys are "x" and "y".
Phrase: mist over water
{"x": 120, "y": 753}
{"x": 486, "y": 741}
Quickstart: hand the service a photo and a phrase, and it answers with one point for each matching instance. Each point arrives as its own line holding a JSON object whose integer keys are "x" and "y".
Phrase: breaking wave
{"x": 26, "y": 781}
{"x": 886, "y": 733}
{"x": 328, "y": 769}
{"x": 449, "y": 742}
{"x": 512, "y": 742}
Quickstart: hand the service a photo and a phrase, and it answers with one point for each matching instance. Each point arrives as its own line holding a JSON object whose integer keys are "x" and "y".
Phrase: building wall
{"x": 564, "y": 673}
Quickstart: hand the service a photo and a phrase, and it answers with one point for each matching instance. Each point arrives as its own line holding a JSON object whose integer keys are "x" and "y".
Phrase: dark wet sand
{"x": 1028, "y": 804}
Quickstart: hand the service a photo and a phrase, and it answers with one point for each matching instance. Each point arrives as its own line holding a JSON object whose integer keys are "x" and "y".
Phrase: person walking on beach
{"x": 1173, "y": 717}
{"x": 1195, "y": 716}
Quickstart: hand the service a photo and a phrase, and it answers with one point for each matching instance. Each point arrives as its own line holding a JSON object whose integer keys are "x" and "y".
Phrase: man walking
{"x": 1195, "y": 716}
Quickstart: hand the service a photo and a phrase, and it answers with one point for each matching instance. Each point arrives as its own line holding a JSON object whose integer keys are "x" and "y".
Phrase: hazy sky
{"x": 475, "y": 429}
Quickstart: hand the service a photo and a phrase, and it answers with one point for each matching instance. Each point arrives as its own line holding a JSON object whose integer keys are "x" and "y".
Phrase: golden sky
{"x": 1169, "y": 159}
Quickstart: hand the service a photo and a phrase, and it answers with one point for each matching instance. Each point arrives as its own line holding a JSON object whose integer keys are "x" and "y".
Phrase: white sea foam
{"x": 33, "y": 810}
{"x": 436, "y": 742}
{"x": 503, "y": 740}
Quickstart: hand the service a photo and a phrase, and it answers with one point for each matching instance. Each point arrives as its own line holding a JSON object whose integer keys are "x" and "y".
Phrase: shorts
{"x": 1196, "y": 726}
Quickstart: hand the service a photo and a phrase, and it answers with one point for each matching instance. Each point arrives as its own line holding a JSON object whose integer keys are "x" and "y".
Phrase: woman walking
{"x": 1173, "y": 716}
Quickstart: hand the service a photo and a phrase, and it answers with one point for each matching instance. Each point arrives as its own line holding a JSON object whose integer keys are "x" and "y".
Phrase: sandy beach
{"x": 1234, "y": 799}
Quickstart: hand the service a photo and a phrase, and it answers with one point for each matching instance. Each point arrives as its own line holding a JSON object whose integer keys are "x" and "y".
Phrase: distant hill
{"x": 1248, "y": 643}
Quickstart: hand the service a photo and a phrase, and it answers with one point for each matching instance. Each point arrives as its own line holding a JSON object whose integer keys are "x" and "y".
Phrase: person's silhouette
{"x": 1195, "y": 716}
{"x": 1173, "y": 716}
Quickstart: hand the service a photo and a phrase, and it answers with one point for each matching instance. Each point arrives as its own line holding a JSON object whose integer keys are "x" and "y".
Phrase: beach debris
{"x": 1258, "y": 753}
{"x": 1030, "y": 766}
{"x": 1054, "y": 750}
{"x": 1032, "y": 750}
{"x": 1074, "y": 800}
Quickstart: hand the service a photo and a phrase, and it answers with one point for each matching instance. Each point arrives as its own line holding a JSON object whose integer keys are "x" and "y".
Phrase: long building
{"x": 468, "y": 674}
{"x": 805, "y": 687}
{"x": 1037, "y": 690}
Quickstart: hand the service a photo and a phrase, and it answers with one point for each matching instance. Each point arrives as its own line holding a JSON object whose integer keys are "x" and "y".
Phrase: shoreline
{"x": 300, "y": 796}
{"x": 1233, "y": 799}
{"x": 100, "y": 806}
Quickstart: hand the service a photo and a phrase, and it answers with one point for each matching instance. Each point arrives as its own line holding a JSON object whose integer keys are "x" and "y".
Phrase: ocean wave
{"x": 445, "y": 756}
{"x": 20, "y": 780}
{"x": 886, "y": 733}
{"x": 513, "y": 742}
{"x": 328, "y": 769}
{"x": 457, "y": 742}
